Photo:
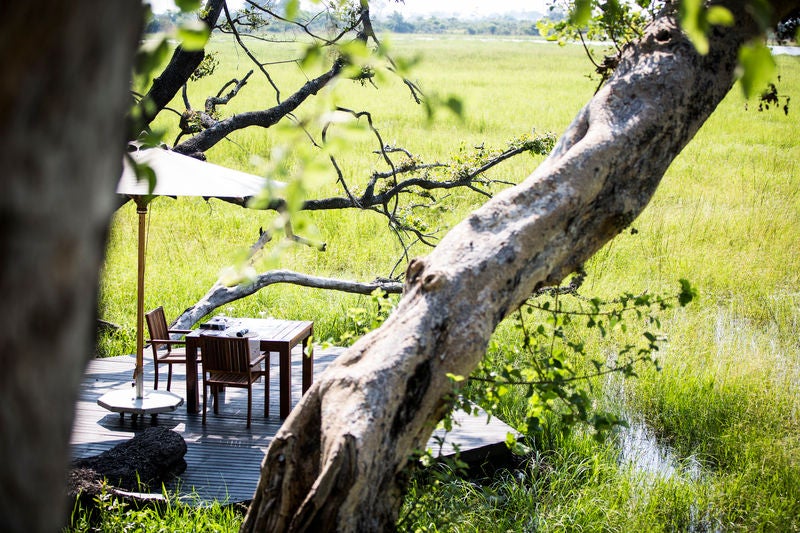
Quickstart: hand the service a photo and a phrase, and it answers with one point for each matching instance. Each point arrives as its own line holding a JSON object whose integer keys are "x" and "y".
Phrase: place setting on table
{"x": 224, "y": 326}
{"x": 272, "y": 334}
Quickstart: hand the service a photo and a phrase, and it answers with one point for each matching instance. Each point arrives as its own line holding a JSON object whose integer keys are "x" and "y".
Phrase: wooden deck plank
{"x": 224, "y": 458}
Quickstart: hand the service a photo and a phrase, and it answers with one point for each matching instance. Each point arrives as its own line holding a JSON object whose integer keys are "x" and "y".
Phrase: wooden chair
{"x": 227, "y": 362}
{"x": 166, "y": 351}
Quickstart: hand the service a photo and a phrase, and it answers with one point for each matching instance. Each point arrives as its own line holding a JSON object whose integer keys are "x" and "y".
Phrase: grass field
{"x": 722, "y": 417}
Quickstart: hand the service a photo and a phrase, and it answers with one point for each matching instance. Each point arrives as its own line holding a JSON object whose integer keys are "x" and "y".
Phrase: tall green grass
{"x": 191, "y": 241}
{"x": 108, "y": 514}
{"x": 726, "y": 217}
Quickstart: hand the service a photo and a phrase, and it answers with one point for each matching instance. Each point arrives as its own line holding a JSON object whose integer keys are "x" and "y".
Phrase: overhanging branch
{"x": 181, "y": 66}
{"x": 220, "y": 294}
{"x": 264, "y": 118}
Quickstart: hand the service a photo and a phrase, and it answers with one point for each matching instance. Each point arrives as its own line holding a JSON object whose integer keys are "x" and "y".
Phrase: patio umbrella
{"x": 176, "y": 175}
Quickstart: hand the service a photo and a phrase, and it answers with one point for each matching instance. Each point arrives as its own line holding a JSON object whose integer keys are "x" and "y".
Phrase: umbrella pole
{"x": 120, "y": 401}
{"x": 141, "y": 209}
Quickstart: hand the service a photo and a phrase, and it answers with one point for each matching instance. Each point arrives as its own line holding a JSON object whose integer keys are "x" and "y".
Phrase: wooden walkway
{"x": 223, "y": 458}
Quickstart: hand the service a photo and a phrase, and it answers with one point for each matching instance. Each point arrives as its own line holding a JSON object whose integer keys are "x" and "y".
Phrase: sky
{"x": 421, "y": 7}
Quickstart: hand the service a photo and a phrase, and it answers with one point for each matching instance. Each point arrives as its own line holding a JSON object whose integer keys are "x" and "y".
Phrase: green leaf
{"x": 546, "y": 29}
{"x": 693, "y": 21}
{"x": 687, "y": 294}
{"x": 355, "y": 50}
{"x": 311, "y": 56}
{"x": 145, "y": 172}
{"x": 719, "y": 16}
{"x": 758, "y": 67}
{"x": 194, "y": 35}
{"x": 404, "y": 65}
{"x": 152, "y": 137}
{"x": 151, "y": 54}
{"x": 455, "y": 105}
{"x": 292, "y": 8}
{"x": 581, "y": 12}
{"x": 188, "y": 5}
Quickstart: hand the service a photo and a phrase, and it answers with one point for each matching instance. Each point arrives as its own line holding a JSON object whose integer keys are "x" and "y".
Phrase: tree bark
{"x": 338, "y": 462}
{"x": 64, "y": 90}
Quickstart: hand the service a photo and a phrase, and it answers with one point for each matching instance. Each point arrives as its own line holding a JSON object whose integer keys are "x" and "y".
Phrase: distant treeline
{"x": 517, "y": 24}
{"x": 507, "y": 25}
{"x": 397, "y": 23}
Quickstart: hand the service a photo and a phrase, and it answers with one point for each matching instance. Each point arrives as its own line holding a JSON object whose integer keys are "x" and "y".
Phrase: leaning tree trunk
{"x": 338, "y": 461}
{"x": 64, "y": 92}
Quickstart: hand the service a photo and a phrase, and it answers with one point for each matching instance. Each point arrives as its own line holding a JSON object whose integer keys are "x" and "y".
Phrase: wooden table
{"x": 275, "y": 336}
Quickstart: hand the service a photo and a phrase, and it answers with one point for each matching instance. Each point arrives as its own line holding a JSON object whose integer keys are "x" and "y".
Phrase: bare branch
{"x": 213, "y": 101}
{"x": 366, "y": 23}
{"x": 290, "y": 234}
{"x": 220, "y": 294}
{"x": 265, "y": 118}
{"x": 251, "y": 56}
{"x": 305, "y": 26}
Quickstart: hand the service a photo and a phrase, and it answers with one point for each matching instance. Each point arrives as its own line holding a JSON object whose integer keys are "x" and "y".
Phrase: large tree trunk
{"x": 64, "y": 92}
{"x": 337, "y": 463}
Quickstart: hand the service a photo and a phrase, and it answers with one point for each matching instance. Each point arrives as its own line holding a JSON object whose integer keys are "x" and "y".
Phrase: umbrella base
{"x": 152, "y": 403}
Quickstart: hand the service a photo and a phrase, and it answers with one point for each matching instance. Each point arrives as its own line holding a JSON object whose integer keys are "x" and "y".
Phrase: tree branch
{"x": 213, "y": 101}
{"x": 264, "y": 119}
{"x": 177, "y": 72}
{"x": 251, "y": 56}
{"x": 220, "y": 294}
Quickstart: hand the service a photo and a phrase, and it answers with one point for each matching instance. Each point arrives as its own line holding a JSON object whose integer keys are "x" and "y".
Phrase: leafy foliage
{"x": 192, "y": 35}
{"x": 771, "y": 98}
{"x": 551, "y": 365}
{"x": 697, "y": 20}
{"x": 207, "y": 66}
{"x": 603, "y": 21}
{"x": 620, "y": 22}
{"x": 555, "y": 371}
{"x": 361, "y": 320}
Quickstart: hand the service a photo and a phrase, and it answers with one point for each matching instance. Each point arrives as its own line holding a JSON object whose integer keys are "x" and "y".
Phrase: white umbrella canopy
{"x": 180, "y": 175}
{"x": 176, "y": 175}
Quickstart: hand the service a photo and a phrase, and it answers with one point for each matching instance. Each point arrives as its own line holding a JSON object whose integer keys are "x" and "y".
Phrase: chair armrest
{"x": 257, "y": 360}
{"x": 167, "y": 341}
{"x": 181, "y": 331}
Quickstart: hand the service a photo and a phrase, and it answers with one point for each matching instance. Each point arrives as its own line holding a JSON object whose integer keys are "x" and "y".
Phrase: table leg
{"x": 192, "y": 397}
{"x": 285, "y": 381}
{"x": 308, "y": 365}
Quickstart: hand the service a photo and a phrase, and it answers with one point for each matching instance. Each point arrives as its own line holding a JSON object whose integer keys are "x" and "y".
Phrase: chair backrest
{"x": 157, "y": 325}
{"x": 225, "y": 354}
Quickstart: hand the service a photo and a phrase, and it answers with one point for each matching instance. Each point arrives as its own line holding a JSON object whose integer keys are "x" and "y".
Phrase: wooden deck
{"x": 223, "y": 458}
